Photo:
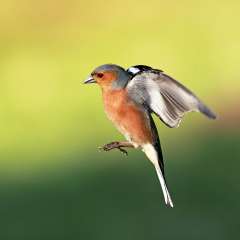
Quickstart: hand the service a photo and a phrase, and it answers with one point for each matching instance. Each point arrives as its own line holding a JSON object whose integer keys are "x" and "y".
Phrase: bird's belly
{"x": 129, "y": 119}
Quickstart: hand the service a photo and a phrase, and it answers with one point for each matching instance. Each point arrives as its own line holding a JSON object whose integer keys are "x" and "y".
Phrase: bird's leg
{"x": 118, "y": 145}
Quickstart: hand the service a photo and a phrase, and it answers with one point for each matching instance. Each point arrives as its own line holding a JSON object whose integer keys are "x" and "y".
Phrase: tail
{"x": 154, "y": 156}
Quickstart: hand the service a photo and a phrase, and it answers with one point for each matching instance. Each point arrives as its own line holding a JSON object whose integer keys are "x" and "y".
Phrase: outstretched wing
{"x": 163, "y": 95}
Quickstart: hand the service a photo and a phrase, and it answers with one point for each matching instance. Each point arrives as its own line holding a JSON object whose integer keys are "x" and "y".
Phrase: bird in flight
{"x": 131, "y": 97}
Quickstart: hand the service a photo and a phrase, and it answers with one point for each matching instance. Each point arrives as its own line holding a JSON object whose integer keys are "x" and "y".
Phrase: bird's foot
{"x": 114, "y": 145}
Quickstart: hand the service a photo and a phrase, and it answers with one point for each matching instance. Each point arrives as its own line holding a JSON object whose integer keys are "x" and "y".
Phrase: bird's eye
{"x": 99, "y": 75}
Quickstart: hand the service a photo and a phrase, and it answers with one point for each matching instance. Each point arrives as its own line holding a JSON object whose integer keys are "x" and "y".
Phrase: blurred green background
{"x": 54, "y": 184}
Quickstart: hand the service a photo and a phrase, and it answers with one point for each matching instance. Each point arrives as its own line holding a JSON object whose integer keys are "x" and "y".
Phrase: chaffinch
{"x": 131, "y": 96}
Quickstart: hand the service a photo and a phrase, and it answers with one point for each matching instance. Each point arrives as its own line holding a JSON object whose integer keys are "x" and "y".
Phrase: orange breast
{"x": 128, "y": 118}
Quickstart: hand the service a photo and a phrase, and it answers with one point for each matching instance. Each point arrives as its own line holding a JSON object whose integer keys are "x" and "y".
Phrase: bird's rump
{"x": 164, "y": 96}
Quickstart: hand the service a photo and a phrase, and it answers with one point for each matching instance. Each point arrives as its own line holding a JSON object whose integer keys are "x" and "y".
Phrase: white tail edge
{"x": 153, "y": 157}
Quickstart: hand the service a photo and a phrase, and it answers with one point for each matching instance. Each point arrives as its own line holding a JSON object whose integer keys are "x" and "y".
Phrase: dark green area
{"x": 124, "y": 200}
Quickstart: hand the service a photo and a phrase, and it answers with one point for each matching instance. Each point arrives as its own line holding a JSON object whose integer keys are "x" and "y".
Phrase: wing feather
{"x": 166, "y": 97}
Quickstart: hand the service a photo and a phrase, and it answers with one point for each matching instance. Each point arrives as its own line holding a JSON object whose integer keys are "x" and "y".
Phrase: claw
{"x": 100, "y": 149}
{"x": 111, "y": 146}
{"x": 123, "y": 151}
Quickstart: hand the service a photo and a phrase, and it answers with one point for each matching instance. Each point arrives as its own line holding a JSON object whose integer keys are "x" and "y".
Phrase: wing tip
{"x": 207, "y": 112}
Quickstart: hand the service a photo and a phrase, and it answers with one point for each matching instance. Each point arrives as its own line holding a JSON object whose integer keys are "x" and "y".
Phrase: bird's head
{"x": 109, "y": 76}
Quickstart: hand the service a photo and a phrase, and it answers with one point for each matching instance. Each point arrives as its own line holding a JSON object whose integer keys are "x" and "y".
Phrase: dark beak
{"x": 90, "y": 79}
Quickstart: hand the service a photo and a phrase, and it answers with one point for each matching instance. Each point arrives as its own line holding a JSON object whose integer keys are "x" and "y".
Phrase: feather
{"x": 166, "y": 97}
{"x": 152, "y": 154}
